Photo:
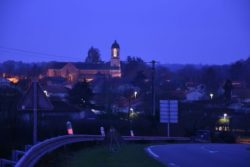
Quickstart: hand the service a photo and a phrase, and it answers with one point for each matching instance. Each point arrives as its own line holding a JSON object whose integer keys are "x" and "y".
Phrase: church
{"x": 77, "y": 71}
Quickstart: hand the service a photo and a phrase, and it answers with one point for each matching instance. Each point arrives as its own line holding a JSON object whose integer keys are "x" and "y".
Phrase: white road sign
{"x": 168, "y": 111}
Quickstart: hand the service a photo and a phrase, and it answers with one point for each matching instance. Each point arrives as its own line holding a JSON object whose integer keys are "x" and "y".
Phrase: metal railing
{"x": 40, "y": 149}
{"x": 30, "y": 158}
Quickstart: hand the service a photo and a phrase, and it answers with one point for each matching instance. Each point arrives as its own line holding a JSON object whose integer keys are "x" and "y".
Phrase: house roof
{"x": 55, "y": 79}
{"x": 55, "y": 89}
{"x": 241, "y": 92}
{"x": 4, "y": 80}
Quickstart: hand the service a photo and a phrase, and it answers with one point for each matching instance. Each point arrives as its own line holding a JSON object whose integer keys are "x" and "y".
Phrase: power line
{"x": 41, "y": 54}
{"x": 11, "y": 53}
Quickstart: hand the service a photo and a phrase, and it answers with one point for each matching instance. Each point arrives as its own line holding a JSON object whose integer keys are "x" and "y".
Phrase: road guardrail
{"x": 32, "y": 156}
{"x": 40, "y": 149}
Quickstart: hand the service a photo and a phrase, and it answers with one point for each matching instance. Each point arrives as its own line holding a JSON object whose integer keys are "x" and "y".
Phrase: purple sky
{"x": 169, "y": 31}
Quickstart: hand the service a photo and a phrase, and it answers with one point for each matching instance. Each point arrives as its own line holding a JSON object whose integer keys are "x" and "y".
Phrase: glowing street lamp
{"x": 46, "y": 93}
{"x": 135, "y": 93}
{"x": 226, "y": 118}
{"x": 211, "y": 95}
{"x": 225, "y": 115}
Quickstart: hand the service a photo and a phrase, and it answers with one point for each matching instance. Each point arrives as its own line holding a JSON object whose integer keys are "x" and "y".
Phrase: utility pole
{"x": 153, "y": 88}
{"x": 34, "y": 100}
{"x": 35, "y": 113}
{"x": 129, "y": 106}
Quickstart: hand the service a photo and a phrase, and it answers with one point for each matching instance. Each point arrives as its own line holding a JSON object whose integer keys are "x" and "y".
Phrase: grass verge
{"x": 129, "y": 155}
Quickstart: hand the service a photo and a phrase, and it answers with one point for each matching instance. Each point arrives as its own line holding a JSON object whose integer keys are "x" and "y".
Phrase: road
{"x": 202, "y": 155}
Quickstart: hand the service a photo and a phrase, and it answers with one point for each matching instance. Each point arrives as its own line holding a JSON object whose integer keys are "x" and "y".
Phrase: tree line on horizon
{"x": 135, "y": 69}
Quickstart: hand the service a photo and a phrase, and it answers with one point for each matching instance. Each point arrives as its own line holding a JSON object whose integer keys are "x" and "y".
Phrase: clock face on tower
{"x": 115, "y": 52}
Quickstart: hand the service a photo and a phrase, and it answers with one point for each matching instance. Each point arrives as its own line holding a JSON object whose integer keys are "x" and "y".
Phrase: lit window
{"x": 115, "y": 52}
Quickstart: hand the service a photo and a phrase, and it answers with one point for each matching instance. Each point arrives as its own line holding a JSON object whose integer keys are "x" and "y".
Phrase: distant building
{"x": 4, "y": 82}
{"x": 239, "y": 91}
{"x": 238, "y": 84}
{"x": 53, "y": 81}
{"x": 241, "y": 94}
{"x": 195, "y": 93}
{"x": 56, "y": 91}
{"x": 79, "y": 71}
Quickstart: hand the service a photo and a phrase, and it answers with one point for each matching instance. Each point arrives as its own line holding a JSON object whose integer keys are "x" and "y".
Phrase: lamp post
{"x": 135, "y": 93}
{"x": 226, "y": 120}
{"x": 153, "y": 88}
{"x": 131, "y": 117}
{"x": 223, "y": 122}
{"x": 131, "y": 113}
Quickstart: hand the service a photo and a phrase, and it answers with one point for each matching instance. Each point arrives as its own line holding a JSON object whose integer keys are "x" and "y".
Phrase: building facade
{"x": 73, "y": 72}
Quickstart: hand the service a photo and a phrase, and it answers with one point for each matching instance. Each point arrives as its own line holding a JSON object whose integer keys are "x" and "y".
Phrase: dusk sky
{"x": 169, "y": 31}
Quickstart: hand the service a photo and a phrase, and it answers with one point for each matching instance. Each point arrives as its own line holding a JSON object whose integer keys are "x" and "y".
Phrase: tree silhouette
{"x": 228, "y": 91}
{"x": 210, "y": 78}
{"x": 81, "y": 94}
{"x": 93, "y": 56}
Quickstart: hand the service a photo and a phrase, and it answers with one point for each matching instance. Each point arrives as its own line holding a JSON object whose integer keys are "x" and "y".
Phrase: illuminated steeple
{"x": 115, "y": 50}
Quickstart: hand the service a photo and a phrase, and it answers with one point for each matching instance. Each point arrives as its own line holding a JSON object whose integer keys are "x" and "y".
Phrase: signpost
{"x": 168, "y": 112}
{"x": 35, "y": 100}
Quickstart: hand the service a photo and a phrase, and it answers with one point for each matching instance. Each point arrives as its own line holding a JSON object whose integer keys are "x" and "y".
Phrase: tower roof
{"x": 115, "y": 45}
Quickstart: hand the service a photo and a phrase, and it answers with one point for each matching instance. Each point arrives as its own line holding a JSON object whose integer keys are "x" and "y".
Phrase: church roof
{"x": 83, "y": 66}
{"x": 57, "y": 65}
{"x": 115, "y": 45}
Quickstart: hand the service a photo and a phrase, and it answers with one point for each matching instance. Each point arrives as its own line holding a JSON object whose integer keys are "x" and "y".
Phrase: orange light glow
{"x": 13, "y": 79}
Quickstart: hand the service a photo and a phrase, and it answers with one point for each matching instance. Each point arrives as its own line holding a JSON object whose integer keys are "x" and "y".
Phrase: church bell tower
{"x": 115, "y": 55}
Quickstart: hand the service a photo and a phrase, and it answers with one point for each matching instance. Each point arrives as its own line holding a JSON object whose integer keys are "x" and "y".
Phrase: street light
{"x": 226, "y": 120}
{"x": 132, "y": 116}
{"x": 135, "y": 94}
{"x": 131, "y": 113}
{"x": 211, "y": 95}
{"x": 46, "y": 93}
{"x": 225, "y": 115}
